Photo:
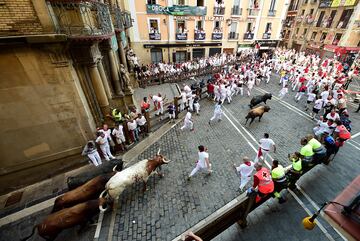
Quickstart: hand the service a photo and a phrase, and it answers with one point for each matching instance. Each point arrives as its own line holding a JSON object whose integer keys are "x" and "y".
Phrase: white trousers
{"x": 197, "y": 168}
{"x": 187, "y": 124}
{"x": 106, "y": 152}
{"x": 217, "y": 115}
{"x": 197, "y": 107}
{"x": 243, "y": 181}
{"x": 299, "y": 95}
{"x": 95, "y": 158}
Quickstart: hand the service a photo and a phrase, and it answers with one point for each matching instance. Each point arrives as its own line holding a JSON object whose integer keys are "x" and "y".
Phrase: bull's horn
{"x": 102, "y": 193}
{"x": 114, "y": 169}
{"x": 158, "y": 153}
{"x": 103, "y": 209}
{"x": 166, "y": 161}
{"x": 102, "y": 196}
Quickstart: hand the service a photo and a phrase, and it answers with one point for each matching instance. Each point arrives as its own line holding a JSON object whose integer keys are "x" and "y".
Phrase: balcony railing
{"x": 117, "y": 19}
{"x": 126, "y": 16}
{"x": 272, "y": 12}
{"x": 266, "y": 35}
{"x": 253, "y": 12}
{"x": 217, "y": 36}
{"x": 154, "y": 36}
{"x": 236, "y": 10}
{"x": 199, "y": 35}
{"x": 248, "y": 36}
{"x": 219, "y": 10}
{"x": 82, "y": 19}
{"x": 233, "y": 35}
{"x": 181, "y": 36}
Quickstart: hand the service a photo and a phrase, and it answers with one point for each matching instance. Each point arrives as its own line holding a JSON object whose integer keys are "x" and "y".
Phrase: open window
{"x": 151, "y": 2}
{"x": 181, "y": 26}
{"x": 200, "y": 3}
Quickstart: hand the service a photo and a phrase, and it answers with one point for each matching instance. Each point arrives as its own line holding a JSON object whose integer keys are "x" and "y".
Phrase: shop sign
{"x": 206, "y": 18}
{"x": 176, "y": 10}
{"x": 268, "y": 43}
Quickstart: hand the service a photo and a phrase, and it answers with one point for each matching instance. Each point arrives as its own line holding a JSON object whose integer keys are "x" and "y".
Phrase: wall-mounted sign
{"x": 206, "y": 18}
{"x": 179, "y": 45}
{"x": 217, "y": 36}
{"x": 176, "y": 10}
{"x": 337, "y": 3}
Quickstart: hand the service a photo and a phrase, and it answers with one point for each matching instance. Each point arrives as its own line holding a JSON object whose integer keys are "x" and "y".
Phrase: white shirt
{"x": 324, "y": 95}
{"x": 333, "y": 118}
{"x": 102, "y": 141}
{"x": 311, "y": 97}
{"x": 283, "y": 91}
{"x": 132, "y": 125}
{"x": 107, "y": 133}
{"x": 202, "y": 156}
{"x": 266, "y": 143}
{"x": 118, "y": 133}
{"x": 187, "y": 89}
{"x": 245, "y": 170}
{"x": 141, "y": 121}
{"x": 318, "y": 104}
{"x": 188, "y": 116}
{"x": 217, "y": 109}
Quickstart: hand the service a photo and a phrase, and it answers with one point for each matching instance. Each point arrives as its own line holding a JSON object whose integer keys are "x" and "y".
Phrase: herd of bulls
{"x": 79, "y": 205}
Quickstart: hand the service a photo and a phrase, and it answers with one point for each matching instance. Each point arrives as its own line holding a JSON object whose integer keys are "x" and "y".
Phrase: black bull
{"x": 260, "y": 98}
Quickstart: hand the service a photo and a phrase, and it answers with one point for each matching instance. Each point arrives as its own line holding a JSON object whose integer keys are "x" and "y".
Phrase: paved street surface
{"x": 171, "y": 204}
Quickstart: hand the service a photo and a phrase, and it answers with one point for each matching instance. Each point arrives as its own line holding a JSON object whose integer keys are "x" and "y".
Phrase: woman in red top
{"x": 145, "y": 105}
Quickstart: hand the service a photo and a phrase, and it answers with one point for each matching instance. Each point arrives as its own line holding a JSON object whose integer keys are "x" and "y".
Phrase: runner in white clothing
{"x": 217, "y": 112}
{"x": 203, "y": 163}
{"x": 244, "y": 171}
{"x": 266, "y": 144}
{"x": 187, "y": 122}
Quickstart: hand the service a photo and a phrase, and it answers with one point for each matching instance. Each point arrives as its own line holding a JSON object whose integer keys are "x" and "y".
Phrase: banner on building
{"x": 176, "y": 10}
{"x": 343, "y": 3}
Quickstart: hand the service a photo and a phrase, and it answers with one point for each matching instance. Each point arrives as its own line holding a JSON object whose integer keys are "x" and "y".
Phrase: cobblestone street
{"x": 172, "y": 204}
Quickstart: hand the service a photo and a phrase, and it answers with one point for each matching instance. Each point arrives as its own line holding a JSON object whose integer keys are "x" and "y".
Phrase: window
{"x": 323, "y": 37}
{"x": 337, "y": 39}
{"x": 268, "y": 28}
{"x": 154, "y": 26}
{"x": 320, "y": 19}
{"x": 217, "y": 26}
{"x": 313, "y": 36}
{"x": 249, "y": 27}
{"x": 180, "y": 56}
{"x": 272, "y": 5}
{"x": 297, "y": 30}
{"x": 180, "y": 26}
{"x": 181, "y": 2}
{"x": 311, "y": 11}
{"x": 236, "y": 2}
{"x": 330, "y": 19}
{"x": 156, "y": 55}
{"x": 233, "y": 27}
{"x": 198, "y": 53}
{"x": 200, "y": 3}
{"x": 345, "y": 17}
{"x": 199, "y": 25}
{"x": 151, "y": 1}
{"x": 305, "y": 31}
{"x": 303, "y": 12}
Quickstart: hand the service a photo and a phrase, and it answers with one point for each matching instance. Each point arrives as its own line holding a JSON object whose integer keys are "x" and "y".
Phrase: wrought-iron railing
{"x": 118, "y": 19}
{"x": 233, "y": 35}
{"x": 249, "y": 36}
{"x": 219, "y": 10}
{"x": 236, "y": 10}
{"x": 81, "y": 19}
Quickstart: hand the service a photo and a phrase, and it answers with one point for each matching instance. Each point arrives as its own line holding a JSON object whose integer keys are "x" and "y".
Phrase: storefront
{"x": 228, "y": 50}
{"x": 178, "y": 52}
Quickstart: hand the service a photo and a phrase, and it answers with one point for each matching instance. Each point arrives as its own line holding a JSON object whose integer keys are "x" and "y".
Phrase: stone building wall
{"x": 18, "y": 17}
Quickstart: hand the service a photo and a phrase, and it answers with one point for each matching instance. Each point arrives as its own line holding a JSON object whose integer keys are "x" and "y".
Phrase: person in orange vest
{"x": 263, "y": 182}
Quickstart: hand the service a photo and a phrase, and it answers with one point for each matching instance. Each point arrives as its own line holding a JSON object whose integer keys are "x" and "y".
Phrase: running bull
{"x": 67, "y": 218}
{"x": 141, "y": 171}
{"x": 260, "y": 98}
{"x": 256, "y": 112}
{"x": 87, "y": 191}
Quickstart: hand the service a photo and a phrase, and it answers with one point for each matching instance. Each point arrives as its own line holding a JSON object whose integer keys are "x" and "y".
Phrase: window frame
{"x": 149, "y": 25}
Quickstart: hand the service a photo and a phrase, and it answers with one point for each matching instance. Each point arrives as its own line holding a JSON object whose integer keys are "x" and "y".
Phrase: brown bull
{"x": 89, "y": 190}
{"x": 67, "y": 218}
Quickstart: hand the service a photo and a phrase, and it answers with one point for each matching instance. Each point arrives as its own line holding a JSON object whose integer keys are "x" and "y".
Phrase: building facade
{"x": 60, "y": 74}
{"x": 324, "y": 27}
{"x": 179, "y": 30}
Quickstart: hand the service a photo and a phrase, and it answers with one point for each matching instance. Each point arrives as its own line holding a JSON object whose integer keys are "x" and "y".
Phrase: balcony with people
{"x": 181, "y": 32}
{"x": 199, "y": 34}
{"x": 219, "y": 7}
{"x": 249, "y": 35}
{"x": 217, "y": 34}
{"x": 254, "y": 8}
{"x": 84, "y": 19}
{"x": 154, "y": 34}
{"x": 309, "y": 19}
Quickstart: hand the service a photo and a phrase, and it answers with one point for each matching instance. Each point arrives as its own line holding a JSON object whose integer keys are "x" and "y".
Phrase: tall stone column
{"x": 104, "y": 80}
{"x": 99, "y": 88}
{"x": 123, "y": 57}
{"x": 115, "y": 74}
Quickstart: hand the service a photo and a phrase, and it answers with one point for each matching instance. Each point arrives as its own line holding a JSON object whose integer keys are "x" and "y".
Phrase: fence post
{"x": 176, "y": 107}
{"x": 147, "y": 117}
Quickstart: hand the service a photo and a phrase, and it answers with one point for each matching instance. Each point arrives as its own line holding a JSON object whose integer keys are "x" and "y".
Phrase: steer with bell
{"x": 141, "y": 171}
